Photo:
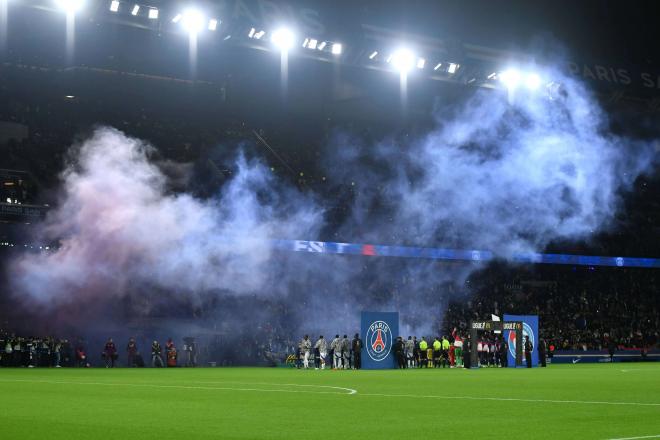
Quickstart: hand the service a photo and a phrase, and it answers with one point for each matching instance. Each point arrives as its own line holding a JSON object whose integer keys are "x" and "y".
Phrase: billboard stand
{"x": 378, "y": 330}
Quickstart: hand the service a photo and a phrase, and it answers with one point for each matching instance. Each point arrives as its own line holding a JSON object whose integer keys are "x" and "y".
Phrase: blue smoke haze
{"x": 507, "y": 174}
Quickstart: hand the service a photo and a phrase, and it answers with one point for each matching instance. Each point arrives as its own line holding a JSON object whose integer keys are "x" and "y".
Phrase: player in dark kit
{"x": 399, "y": 352}
{"x": 528, "y": 352}
{"x": 156, "y": 356}
{"x": 356, "y": 347}
{"x": 542, "y": 352}
{"x": 131, "y": 352}
{"x": 110, "y": 353}
{"x": 504, "y": 348}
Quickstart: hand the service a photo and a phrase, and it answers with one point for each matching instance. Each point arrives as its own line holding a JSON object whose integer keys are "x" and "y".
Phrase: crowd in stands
{"x": 578, "y": 308}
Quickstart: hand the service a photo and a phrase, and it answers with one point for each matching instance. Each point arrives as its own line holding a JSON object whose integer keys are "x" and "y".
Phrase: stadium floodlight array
{"x": 316, "y": 44}
{"x": 283, "y": 39}
{"x": 402, "y": 61}
{"x": 70, "y": 6}
{"x": 513, "y": 78}
{"x": 256, "y": 34}
{"x": 151, "y": 12}
{"x": 192, "y": 21}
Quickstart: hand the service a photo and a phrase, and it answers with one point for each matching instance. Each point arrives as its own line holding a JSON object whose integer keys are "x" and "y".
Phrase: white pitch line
{"x": 187, "y": 387}
{"x": 350, "y": 390}
{"x": 512, "y": 399}
{"x": 634, "y": 438}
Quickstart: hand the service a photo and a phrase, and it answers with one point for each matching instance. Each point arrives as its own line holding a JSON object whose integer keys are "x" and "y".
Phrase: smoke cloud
{"x": 117, "y": 225}
{"x": 503, "y": 173}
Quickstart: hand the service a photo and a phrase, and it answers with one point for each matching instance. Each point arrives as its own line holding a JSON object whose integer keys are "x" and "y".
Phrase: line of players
{"x": 342, "y": 353}
{"x": 492, "y": 352}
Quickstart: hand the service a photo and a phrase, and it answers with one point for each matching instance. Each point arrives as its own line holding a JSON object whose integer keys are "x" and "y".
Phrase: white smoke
{"x": 499, "y": 175}
{"x": 494, "y": 174}
{"x": 118, "y": 227}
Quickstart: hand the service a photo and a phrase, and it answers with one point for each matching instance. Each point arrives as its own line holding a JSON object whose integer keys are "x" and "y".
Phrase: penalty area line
{"x": 342, "y": 390}
{"x": 513, "y": 399}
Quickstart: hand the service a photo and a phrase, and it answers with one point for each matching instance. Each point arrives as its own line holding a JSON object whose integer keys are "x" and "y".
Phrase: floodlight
{"x": 421, "y": 62}
{"x": 336, "y": 49}
{"x": 532, "y": 81}
{"x": 310, "y": 43}
{"x": 135, "y": 10}
{"x": 177, "y": 18}
{"x": 492, "y": 75}
{"x": 322, "y": 45}
{"x": 373, "y": 54}
{"x": 283, "y": 38}
{"x": 70, "y": 6}
{"x": 192, "y": 21}
{"x": 437, "y": 66}
{"x": 114, "y": 6}
{"x": 403, "y": 60}
{"x": 510, "y": 78}
{"x": 259, "y": 35}
{"x": 213, "y": 24}
{"x": 153, "y": 14}
{"x": 453, "y": 67}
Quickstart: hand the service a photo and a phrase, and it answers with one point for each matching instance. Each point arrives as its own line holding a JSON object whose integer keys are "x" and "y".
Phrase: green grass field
{"x": 573, "y": 402}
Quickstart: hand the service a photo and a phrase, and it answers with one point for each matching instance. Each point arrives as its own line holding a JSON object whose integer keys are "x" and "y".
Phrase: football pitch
{"x": 610, "y": 401}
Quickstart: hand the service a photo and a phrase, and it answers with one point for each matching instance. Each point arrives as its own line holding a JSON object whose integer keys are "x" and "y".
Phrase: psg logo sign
{"x": 378, "y": 340}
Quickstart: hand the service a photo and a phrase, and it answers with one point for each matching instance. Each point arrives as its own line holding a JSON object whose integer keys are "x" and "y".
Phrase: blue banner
{"x": 592, "y": 356}
{"x": 473, "y": 255}
{"x": 379, "y": 330}
{"x": 530, "y": 330}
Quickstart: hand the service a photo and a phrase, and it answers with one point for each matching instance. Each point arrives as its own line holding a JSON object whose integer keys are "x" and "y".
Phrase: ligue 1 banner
{"x": 378, "y": 330}
{"x": 530, "y": 330}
